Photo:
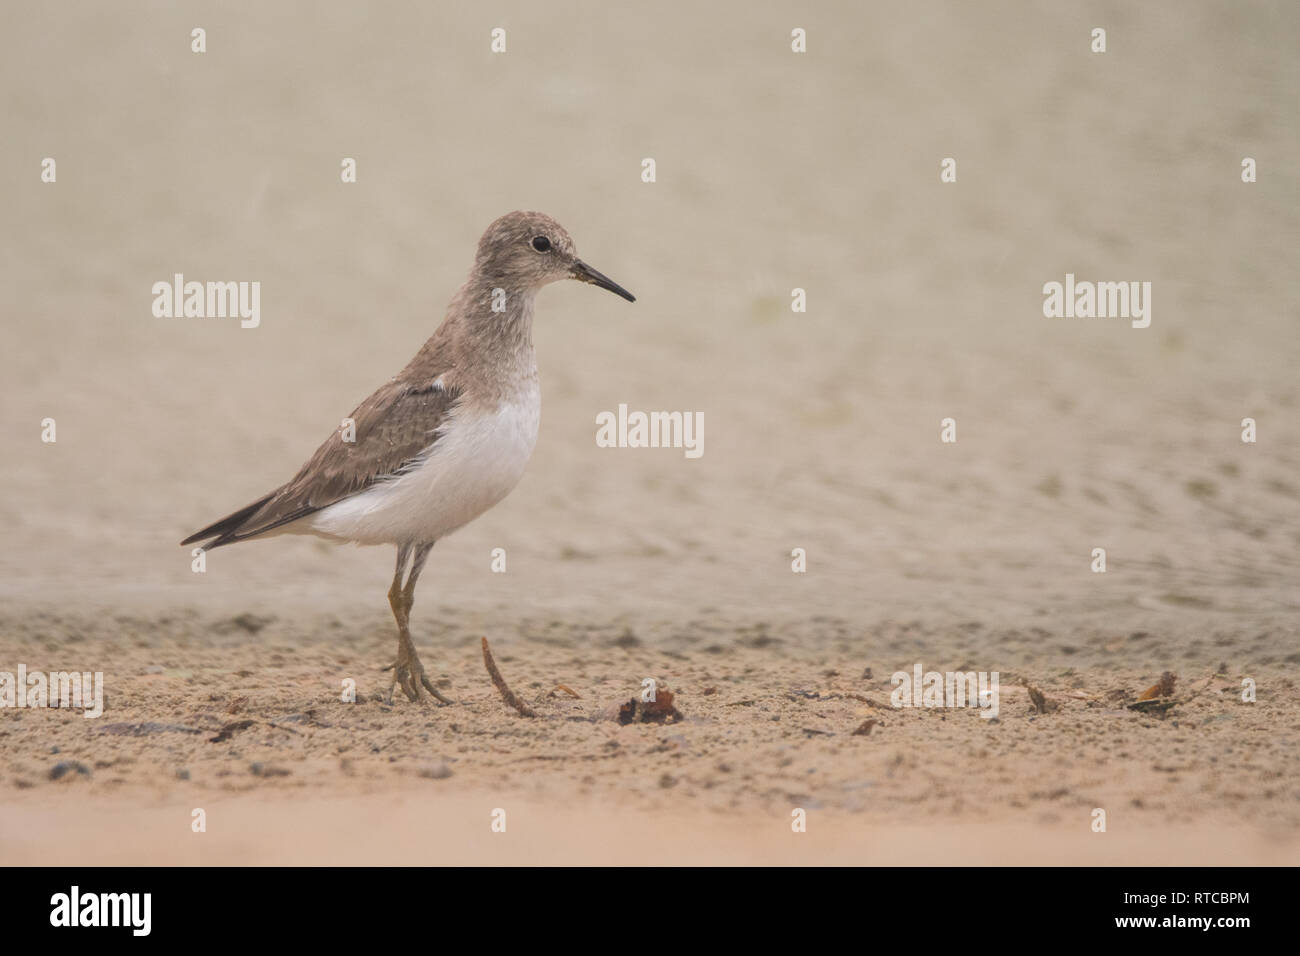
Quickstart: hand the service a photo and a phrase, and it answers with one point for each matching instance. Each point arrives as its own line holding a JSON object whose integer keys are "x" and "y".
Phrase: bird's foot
{"x": 409, "y": 673}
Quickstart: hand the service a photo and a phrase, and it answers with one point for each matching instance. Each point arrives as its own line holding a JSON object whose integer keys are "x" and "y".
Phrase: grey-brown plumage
{"x": 394, "y": 427}
{"x": 443, "y": 440}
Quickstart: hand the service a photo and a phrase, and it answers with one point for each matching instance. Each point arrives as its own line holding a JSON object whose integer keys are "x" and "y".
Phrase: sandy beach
{"x": 776, "y": 171}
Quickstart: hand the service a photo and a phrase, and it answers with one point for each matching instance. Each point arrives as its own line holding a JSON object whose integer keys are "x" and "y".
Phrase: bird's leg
{"x": 396, "y": 601}
{"x": 418, "y": 677}
{"x": 407, "y": 669}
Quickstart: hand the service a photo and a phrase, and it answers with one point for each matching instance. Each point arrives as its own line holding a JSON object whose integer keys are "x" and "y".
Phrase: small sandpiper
{"x": 445, "y": 439}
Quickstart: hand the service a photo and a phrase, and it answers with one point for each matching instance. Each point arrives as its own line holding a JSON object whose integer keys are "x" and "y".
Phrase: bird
{"x": 442, "y": 441}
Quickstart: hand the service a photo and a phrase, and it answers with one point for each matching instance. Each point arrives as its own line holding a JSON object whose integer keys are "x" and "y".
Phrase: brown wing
{"x": 394, "y": 427}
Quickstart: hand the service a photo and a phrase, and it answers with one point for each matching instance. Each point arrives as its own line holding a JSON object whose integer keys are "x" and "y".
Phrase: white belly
{"x": 477, "y": 460}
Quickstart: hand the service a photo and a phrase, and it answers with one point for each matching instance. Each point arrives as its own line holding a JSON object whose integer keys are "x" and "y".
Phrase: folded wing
{"x": 394, "y": 427}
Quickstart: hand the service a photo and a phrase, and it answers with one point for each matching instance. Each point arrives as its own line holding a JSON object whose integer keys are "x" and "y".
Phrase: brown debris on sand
{"x": 1041, "y": 703}
{"x": 1163, "y": 688}
{"x": 657, "y": 711}
{"x": 507, "y": 694}
{"x": 1159, "y": 698}
{"x": 1162, "y": 704}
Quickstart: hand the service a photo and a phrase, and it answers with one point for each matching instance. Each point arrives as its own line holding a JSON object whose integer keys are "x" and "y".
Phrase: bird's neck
{"x": 497, "y": 321}
{"x": 485, "y": 346}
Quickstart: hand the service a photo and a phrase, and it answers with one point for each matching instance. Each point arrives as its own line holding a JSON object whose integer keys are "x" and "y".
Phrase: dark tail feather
{"x": 226, "y": 531}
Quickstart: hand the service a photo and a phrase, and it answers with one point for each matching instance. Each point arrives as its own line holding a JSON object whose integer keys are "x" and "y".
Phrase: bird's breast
{"x": 477, "y": 458}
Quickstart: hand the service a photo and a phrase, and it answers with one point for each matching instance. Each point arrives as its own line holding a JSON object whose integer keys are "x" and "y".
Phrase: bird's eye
{"x": 541, "y": 244}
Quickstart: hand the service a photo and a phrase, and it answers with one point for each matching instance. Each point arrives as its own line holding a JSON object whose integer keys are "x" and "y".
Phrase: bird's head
{"x": 523, "y": 251}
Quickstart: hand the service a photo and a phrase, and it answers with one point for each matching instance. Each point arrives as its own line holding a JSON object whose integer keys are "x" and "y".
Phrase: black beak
{"x": 585, "y": 273}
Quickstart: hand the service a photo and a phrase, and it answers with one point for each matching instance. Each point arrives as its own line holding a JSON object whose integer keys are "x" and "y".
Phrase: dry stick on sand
{"x": 506, "y": 693}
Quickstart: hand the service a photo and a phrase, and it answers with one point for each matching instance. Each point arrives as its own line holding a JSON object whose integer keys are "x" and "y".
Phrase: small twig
{"x": 506, "y": 693}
